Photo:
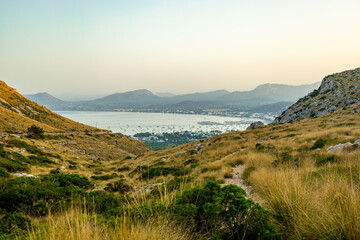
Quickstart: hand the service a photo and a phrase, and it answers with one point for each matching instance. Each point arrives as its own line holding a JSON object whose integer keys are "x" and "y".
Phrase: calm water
{"x": 130, "y": 123}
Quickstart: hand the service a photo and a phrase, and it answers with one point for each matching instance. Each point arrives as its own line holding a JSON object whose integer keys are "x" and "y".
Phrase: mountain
{"x": 267, "y": 94}
{"x": 276, "y": 108}
{"x": 165, "y": 94}
{"x": 137, "y": 96}
{"x": 336, "y": 91}
{"x": 206, "y": 96}
{"x": 144, "y": 100}
{"x": 133, "y": 99}
{"x": 45, "y": 99}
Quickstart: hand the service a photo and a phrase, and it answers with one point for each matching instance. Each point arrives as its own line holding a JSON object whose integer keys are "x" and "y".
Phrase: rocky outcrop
{"x": 341, "y": 146}
{"x": 255, "y": 125}
{"x": 336, "y": 91}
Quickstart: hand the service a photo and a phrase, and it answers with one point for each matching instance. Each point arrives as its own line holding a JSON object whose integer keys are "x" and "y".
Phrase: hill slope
{"x": 64, "y": 142}
{"x": 336, "y": 91}
{"x": 28, "y": 112}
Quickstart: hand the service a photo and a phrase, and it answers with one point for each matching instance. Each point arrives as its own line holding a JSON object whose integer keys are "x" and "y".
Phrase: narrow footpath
{"x": 240, "y": 182}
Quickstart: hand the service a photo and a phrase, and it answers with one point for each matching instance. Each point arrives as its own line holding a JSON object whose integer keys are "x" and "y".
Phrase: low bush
{"x": 4, "y": 173}
{"x": 106, "y": 177}
{"x": 14, "y": 224}
{"x": 37, "y": 196}
{"x": 163, "y": 171}
{"x": 320, "y": 143}
{"x": 223, "y": 213}
{"x": 40, "y": 160}
{"x": 30, "y": 148}
{"x": 35, "y": 132}
{"x": 123, "y": 169}
{"x": 12, "y": 166}
{"x": 170, "y": 186}
{"x": 119, "y": 186}
{"x": 105, "y": 203}
{"x": 284, "y": 157}
{"x": 322, "y": 159}
{"x": 247, "y": 172}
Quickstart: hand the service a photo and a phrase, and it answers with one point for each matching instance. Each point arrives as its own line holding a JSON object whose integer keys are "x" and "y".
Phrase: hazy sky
{"x": 107, "y": 46}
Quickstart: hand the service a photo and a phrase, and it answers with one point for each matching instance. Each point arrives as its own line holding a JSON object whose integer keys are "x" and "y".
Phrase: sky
{"x": 100, "y": 47}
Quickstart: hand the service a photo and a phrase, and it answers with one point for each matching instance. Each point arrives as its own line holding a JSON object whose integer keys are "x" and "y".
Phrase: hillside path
{"x": 240, "y": 182}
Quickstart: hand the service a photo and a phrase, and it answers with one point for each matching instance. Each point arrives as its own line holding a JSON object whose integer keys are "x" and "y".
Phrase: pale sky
{"x": 179, "y": 46}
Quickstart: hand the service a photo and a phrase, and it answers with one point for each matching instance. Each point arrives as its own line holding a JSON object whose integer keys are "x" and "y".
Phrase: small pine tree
{"x": 35, "y": 132}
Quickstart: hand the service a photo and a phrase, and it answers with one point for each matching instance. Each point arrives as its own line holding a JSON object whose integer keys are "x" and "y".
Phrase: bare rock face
{"x": 255, "y": 125}
{"x": 336, "y": 91}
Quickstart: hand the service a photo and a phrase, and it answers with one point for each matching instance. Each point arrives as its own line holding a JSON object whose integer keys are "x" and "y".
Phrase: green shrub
{"x": 4, "y": 173}
{"x": 21, "y": 144}
{"x": 36, "y": 196}
{"x": 68, "y": 180}
{"x": 105, "y": 203}
{"x": 190, "y": 161}
{"x": 41, "y": 160}
{"x": 223, "y": 213}
{"x": 30, "y": 148}
{"x": 3, "y": 153}
{"x": 12, "y": 166}
{"x": 147, "y": 210}
{"x": 170, "y": 186}
{"x": 247, "y": 172}
{"x": 321, "y": 159}
{"x": 152, "y": 172}
{"x": 107, "y": 177}
{"x": 119, "y": 186}
{"x": 320, "y": 143}
{"x": 192, "y": 152}
{"x": 284, "y": 157}
{"x": 14, "y": 223}
{"x": 35, "y": 132}
{"x": 123, "y": 169}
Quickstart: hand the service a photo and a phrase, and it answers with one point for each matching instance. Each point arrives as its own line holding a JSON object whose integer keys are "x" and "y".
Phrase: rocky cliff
{"x": 336, "y": 91}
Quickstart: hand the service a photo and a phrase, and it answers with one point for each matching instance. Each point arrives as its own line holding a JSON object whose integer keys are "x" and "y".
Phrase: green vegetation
{"x": 106, "y": 177}
{"x": 224, "y": 213}
{"x": 119, "y": 186}
{"x": 4, "y": 173}
{"x": 152, "y": 172}
{"x": 13, "y": 225}
{"x": 35, "y": 132}
{"x": 38, "y": 196}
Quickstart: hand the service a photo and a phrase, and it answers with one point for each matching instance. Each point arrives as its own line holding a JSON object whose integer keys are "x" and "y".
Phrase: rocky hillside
{"x": 336, "y": 91}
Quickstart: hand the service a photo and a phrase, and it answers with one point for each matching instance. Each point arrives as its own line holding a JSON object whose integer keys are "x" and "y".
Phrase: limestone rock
{"x": 23, "y": 175}
{"x": 255, "y": 125}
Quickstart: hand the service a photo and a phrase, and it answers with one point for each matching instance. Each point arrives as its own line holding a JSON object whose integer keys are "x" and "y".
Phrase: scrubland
{"x": 306, "y": 191}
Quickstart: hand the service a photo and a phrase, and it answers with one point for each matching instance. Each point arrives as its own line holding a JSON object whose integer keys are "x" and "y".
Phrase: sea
{"x": 130, "y": 123}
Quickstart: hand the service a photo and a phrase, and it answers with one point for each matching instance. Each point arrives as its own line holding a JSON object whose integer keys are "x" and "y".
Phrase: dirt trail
{"x": 240, "y": 182}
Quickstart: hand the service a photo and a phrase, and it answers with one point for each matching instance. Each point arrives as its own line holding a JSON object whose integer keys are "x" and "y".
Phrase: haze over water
{"x": 130, "y": 123}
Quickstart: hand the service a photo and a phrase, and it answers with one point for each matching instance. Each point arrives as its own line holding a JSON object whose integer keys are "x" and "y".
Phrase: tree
{"x": 35, "y": 132}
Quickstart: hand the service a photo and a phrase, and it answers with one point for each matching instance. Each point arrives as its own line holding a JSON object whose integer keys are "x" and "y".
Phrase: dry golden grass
{"x": 309, "y": 201}
{"x": 76, "y": 224}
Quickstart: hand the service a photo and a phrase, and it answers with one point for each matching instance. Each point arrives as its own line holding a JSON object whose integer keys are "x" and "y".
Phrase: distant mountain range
{"x": 269, "y": 98}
